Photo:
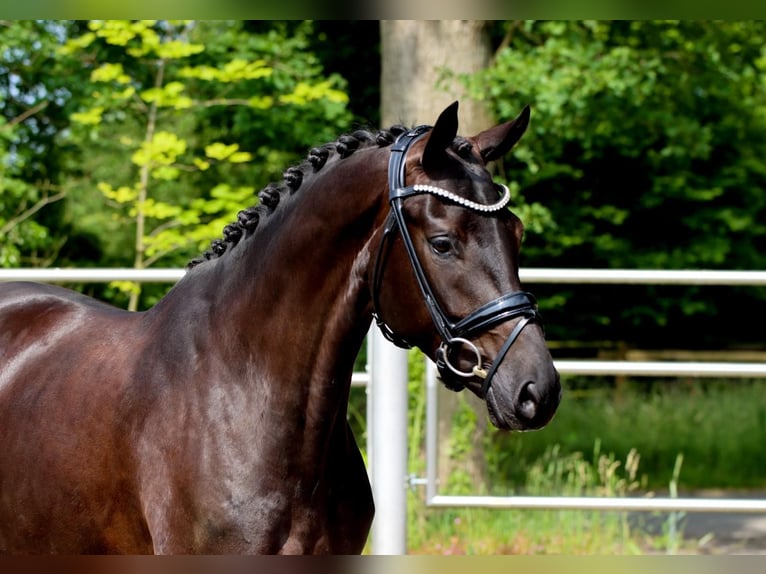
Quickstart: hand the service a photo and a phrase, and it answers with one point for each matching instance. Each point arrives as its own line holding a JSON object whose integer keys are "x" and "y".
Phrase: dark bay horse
{"x": 215, "y": 422}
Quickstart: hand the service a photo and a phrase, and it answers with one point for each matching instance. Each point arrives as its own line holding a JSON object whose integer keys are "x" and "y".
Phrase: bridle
{"x": 518, "y": 304}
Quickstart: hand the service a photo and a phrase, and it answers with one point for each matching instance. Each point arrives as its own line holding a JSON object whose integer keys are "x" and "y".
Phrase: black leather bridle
{"x": 518, "y": 304}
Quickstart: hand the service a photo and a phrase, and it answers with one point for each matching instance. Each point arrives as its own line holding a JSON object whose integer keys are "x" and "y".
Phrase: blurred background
{"x": 132, "y": 143}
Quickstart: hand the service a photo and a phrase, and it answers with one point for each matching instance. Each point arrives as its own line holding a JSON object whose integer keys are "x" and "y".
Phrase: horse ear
{"x": 442, "y": 135}
{"x": 497, "y": 141}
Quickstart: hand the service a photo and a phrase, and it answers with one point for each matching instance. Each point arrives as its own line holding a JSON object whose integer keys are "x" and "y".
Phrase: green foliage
{"x": 458, "y": 447}
{"x": 153, "y": 93}
{"x": 16, "y": 231}
{"x": 644, "y": 151}
{"x": 31, "y": 114}
{"x": 416, "y": 411}
{"x": 132, "y": 143}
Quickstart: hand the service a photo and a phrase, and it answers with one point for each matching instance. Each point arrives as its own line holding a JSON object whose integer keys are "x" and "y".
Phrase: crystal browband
{"x": 432, "y": 189}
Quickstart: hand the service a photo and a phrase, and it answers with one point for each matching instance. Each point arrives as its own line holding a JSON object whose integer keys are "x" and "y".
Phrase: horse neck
{"x": 290, "y": 303}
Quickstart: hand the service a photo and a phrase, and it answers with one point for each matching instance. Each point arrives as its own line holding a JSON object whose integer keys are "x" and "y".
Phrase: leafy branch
{"x": 29, "y": 212}
{"x": 152, "y": 78}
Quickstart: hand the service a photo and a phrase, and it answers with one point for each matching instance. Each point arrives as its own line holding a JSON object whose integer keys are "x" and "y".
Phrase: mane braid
{"x": 270, "y": 196}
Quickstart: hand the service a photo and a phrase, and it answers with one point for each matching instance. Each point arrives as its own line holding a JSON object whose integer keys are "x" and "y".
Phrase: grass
{"x": 645, "y": 436}
{"x": 718, "y": 426}
{"x": 667, "y": 435}
{"x": 512, "y": 531}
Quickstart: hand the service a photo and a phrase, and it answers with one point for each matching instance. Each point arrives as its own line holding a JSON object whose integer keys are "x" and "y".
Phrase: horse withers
{"x": 215, "y": 422}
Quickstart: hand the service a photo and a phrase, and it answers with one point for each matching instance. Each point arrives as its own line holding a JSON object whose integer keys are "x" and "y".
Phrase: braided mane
{"x": 270, "y": 196}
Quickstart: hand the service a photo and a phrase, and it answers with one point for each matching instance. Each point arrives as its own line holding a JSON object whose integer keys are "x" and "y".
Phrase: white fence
{"x": 632, "y": 368}
{"x": 387, "y": 404}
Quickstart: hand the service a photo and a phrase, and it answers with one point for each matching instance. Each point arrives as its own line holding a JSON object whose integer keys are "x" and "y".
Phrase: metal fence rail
{"x": 662, "y": 368}
{"x": 531, "y": 275}
{"x": 95, "y": 275}
{"x": 643, "y": 276}
{"x": 645, "y": 504}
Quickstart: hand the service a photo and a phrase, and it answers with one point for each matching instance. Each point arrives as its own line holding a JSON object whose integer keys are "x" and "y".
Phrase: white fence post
{"x": 387, "y": 431}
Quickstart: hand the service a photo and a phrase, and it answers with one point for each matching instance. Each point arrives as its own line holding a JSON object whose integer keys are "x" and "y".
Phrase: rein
{"x": 454, "y": 334}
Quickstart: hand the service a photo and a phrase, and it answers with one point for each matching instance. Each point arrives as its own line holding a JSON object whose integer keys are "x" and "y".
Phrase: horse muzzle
{"x": 526, "y": 405}
{"x": 521, "y": 394}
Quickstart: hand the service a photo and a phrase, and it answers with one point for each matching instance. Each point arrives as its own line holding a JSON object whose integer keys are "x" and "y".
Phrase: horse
{"x": 216, "y": 421}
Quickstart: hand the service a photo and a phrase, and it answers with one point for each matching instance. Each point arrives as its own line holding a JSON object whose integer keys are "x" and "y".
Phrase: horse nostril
{"x": 528, "y": 401}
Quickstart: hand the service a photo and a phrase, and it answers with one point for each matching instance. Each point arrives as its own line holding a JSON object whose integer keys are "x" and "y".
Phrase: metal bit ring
{"x": 476, "y": 371}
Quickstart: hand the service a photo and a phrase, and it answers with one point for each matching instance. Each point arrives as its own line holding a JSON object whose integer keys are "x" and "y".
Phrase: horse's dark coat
{"x": 215, "y": 422}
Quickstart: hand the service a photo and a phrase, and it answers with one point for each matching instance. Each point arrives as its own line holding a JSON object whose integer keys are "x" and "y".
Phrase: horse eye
{"x": 441, "y": 245}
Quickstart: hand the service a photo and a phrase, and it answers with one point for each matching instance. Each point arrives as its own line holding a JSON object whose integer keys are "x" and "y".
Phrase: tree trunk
{"x": 418, "y": 60}
{"x": 421, "y": 65}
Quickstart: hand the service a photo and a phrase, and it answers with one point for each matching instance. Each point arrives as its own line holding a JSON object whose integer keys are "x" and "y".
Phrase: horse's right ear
{"x": 497, "y": 141}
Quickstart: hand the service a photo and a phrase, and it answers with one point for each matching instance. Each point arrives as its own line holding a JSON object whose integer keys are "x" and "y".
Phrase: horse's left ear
{"x": 442, "y": 135}
{"x": 497, "y": 141}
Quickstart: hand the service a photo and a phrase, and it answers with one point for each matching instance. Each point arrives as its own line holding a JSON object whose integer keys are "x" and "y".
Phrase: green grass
{"x": 718, "y": 426}
{"x": 665, "y": 436}
{"x": 512, "y": 531}
{"x": 644, "y": 436}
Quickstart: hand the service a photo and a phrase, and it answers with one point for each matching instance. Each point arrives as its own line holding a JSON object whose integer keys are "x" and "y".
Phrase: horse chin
{"x": 501, "y": 417}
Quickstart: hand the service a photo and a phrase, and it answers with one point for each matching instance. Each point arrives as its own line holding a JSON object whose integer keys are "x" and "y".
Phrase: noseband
{"x": 454, "y": 334}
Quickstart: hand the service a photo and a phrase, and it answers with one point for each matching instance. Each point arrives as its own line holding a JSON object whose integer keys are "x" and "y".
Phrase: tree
{"x": 32, "y": 103}
{"x": 420, "y": 63}
{"x": 23, "y": 238}
{"x": 643, "y": 151}
{"x": 154, "y": 85}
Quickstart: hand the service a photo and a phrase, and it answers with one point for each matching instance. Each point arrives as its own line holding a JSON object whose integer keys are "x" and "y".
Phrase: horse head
{"x": 446, "y": 274}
